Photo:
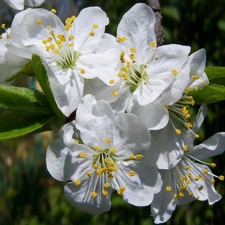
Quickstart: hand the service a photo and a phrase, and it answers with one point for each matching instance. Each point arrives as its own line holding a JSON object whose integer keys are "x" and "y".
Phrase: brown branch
{"x": 155, "y": 5}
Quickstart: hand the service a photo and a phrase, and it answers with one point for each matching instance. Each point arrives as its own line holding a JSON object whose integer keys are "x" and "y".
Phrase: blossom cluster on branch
{"x": 121, "y": 107}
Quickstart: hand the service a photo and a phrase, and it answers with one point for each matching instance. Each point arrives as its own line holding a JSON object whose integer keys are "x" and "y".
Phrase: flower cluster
{"x": 129, "y": 125}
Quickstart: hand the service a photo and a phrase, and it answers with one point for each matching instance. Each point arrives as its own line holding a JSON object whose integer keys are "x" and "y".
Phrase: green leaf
{"x": 24, "y": 100}
{"x": 42, "y": 78}
{"x": 216, "y": 75}
{"x": 209, "y": 94}
{"x": 14, "y": 125}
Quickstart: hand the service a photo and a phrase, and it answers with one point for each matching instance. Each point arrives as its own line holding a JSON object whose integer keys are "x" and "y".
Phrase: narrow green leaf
{"x": 24, "y": 100}
{"x": 14, "y": 125}
{"x": 209, "y": 94}
{"x": 42, "y": 78}
{"x": 216, "y": 75}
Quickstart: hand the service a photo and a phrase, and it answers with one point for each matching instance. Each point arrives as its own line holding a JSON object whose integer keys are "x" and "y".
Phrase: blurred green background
{"x": 28, "y": 194}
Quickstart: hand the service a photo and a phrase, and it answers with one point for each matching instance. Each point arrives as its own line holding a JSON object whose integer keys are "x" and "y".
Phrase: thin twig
{"x": 155, "y": 5}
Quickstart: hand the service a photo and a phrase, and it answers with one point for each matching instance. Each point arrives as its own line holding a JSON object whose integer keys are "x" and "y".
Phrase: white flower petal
{"x": 215, "y": 145}
{"x": 56, "y": 158}
{"x": 26, "y": 31}
{"x": 163, "y": 204}
{"x": 80, "y": 196}
{"x": 83, "y": 25}
{"x": 141, "y": 187}
{"x": 67, "y": 88}
{"x": 132, "y": 135}
{"x": 203, "y": 189}
{"x": 103, "y": 54}
{"x": 10, "y": 64}
{"x": 95, "y": 120}
{"x": 154, "y": 115}
{"x": 167, "y": 148}
{"x": 138, "y": 26}
{"x": 16, "y": 4}
{"x": 33, "y": 3}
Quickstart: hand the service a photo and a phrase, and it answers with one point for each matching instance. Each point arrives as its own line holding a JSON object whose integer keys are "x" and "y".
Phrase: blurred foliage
{"x": 28, "y": 194}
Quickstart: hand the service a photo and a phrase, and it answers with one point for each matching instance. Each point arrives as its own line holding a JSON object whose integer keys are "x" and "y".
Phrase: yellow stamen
{"x": 39, "y": 22}
{"x": 168, "y": 188}
{"x": 104, "y": 192}
{"x": 131, "y": 173}
{"x": 107, "y": 185}
{"x": 94, "y": 194}
{"x": 115, "y": 93}
{"x": 95, "y": 26}
{"x": 139, "y": 156}
{"x": 83, "y": 155}
{"x": 53, "y": 11}
{"x": 77, "y": 182}
{"x": 89, "y": 173}
{"x": 82, "y": 71}
{"x": 153, "y": 44}
{"x": 174, "y": 72}
{"x": 92, "y": 33}
{"x": 111, "y": 82}
{"x": 108, "y": 140}
{"x": 96, "y": 148}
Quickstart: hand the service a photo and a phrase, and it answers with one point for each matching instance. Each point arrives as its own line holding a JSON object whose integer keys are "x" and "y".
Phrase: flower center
{"x": 102, "y": 170}
{"x": 188, "y": 171}
{"x": 104, "y": 162}
{"x": 132, "y": 73}
{"x": 61, "y": 46}
{"x": 181, "y": 111}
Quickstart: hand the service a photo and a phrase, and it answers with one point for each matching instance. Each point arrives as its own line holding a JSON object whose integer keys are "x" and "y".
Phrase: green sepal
{"x": 24, "y": 100}
{"x": 42, "y": 78}
{"x": 14, "y": 125}
{"x": 27, "y": 70}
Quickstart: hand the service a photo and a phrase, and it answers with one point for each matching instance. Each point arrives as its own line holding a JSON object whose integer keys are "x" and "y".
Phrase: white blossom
{"x": 191, "y": 179}
{"x": 102, "y": 153}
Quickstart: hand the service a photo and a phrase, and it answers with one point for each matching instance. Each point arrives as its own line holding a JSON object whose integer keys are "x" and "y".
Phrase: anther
{"x": 96, "y": 148}
{"x": 83, "y": 155}
{"x": 92, "y": 33}
{"x": 111, "y": 82}
{"x": 39, "y": 22}
{"x": 168, "y": 188}
{"x": 153, "y": 44}
{"x": 104, "y": 192}
{"x": 139, "y": 156}
{"x": 89, "y": 173}
{"x": 196, "y": 136}
{"x": 94, "y": 194}
{"x": 115, "y": 93}
{"x": 53, "y": 11}
{"x": 107, "y": 185}
{"x": 185, "y": 148}
{"x": 131, "y": 173}
{"x": 95, "y": 26}
{"x": 174, "y": 72}
{"x": 82, "y": 71}
{"x": 112, "y": 150}
{"x": 108, "y": 140}
{"x": 3, "y": 26}
{"x": 77, "y": 182}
